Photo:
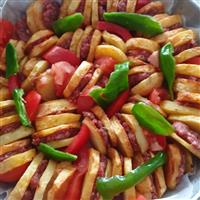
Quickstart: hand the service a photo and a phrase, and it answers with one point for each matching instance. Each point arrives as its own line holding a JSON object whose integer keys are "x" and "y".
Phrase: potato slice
{"x": 3, "y": 82}
{"x": 161, "y": 16}
{"x": 75, "y": 40}
{"x": 191, "y": 120}
{"x": 142, "y": 69}
{"x": 28, "y": 66}
{"x": 95, "y": 13}
{"x": 39, "y": 67}
{"x": 114, "y": 40}
{"x": 64, "y": 8}
{"x": 189, "y": 97}
{"x": 172, "y": 107}
{"x": 170, "y": 21}
{"x": 186, "y": 85}
{"x": 90, "y": 176}
{"x": 130, "y": 6}
{"x": 4, "y": 94}
{"x": 189, "y": 165}
{"x": 8, "y": 120}
{"x": 142, "y": 43}
{"x": 23, "y": 183}
{"x": 187, "y": 54}
{"x": 112, "y": 51}
{"x": 87, "y": 12}
{"x": 56, "y": 120}
{"x": 65, "y": 37}
{"x": 182, "y": 38}
{"x": 54, "y": 107}
{"x": 73, "y": 6}
{"x": 188, "y": 69}
{"x": 61, "y": 143}
{"x": 147, "y": 85}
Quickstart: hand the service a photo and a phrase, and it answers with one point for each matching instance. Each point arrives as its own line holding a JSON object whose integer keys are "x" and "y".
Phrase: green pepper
{"x": 117, "y": 83}
{"x": 109, "y": 187}
{"x": 135, "y": 22}
{"x": 54, "y": 154}
{"x": 167, "y": 65}
{"x": 12, "y": 65}
{"x": 151, "y": 119}
{"x": 20, "y": 107}
{"x": 68, "y": 23}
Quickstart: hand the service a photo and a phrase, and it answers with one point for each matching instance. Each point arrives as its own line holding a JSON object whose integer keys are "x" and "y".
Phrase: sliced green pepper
{"x": 20, "y": 107}
{"x": 151, "y": 119}
{"x": 135, "y": 22}
{"x": 167, "y": 65}
{"x": 117, "y": 83}
{"x": 109, "y": 187}
{"x": 54, "y": 154}
{"x": 12, "y": 65}
{"x": 68, "y": 23}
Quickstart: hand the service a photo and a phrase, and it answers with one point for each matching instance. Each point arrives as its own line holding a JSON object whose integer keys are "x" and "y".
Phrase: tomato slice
{"x": 142, "y": 3}
{"x": 157, "y": 95}
{"x": 32, "y": 102}
{"x": 195, "y": 60}
{"x": 117, "y": 104}
{"x": 7, "y": 30}
{"x": 56, "y": 54}
{"x": 13, "y": 83}
{"x": 156, "y": 142}
{"x": 85, "y": 102}
{"x": 75, "y": 185}
{"x": 80, "y": 140}
{"x": 14, "y": 175}
{"x": 106, "y": 64}
{"x": 114, "y": 28}
{"x": 62, "y": 72}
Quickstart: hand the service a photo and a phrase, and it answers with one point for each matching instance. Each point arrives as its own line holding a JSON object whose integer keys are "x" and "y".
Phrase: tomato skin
{"x": 13, "y": 83}
{"x": 14, "y": 175}
{"x": 7, "y": 30}
{"x": 32, "y": 102}
{"x": 85, "y": 102}
{"x": 114, "y": 28}
{"x": 157, "y": 95}
{"x": 79, "y": 141}
{"x": 195, "y": 60}
{"x": 56, "y": 54}
{"x": 117, "y": 104}
{"x": 106, "y": 64}
{"x": 142, "y": 3}
{"x": 75, "y": 185}
{"x": 62, "y": 72}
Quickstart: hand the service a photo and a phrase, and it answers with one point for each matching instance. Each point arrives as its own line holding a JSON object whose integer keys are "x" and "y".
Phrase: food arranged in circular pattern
{"x": 99, "y": 99}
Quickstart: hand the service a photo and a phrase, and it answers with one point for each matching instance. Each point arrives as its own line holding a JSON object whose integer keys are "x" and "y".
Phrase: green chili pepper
{"x": 54, "y": 154}
{"x": 68, "y": 23}
{"x": 20, "y": 107}
{"x": 151, "y": 119}
{"x": 135, "y": 22}
{"x": 109, "y": 187}
{"x": 117, "y": 83}
{"x": 167, "y": 65}
{"x": 12, "y": 65}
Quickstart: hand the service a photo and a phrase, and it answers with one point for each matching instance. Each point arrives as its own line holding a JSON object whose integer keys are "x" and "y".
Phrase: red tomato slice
{"x": 195, "y": 60}
{"x": 80, "y": 140}
{"x": 62, "y": 72}
{"x": 85, "y": 102}
{"x": 1, "y": 50}
{"x": 157, "y": 95}
{"x": 75, "y": 185}
{"x": 14, "y": 175}
{"x": 57, "y": 54}
{"x": 114, "y": 28}
{"x": 32, "y": 102}
{"x": 7, "y": 30}
{"x": 117, "y": 104}
{"x": 142, "y": 3}
{"x": 156, "y": 142}
{"x": 106, "y": 64}
{"x": 13, "y": 83}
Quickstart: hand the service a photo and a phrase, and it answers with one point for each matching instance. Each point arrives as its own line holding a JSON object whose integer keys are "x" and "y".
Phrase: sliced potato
{"x": 75, "y": 40}
{"x": 4, "y": 94}
{"x": 65, "y": 37}
{"x": 114, "y": 40}
{"x": 112, "y": 51}
{"x": 28, "y": 65}
{"x": 188, "y": 69}
{"x": 191, "y": 120}
{"x": 189, "y": 165}
{"x": 170, "y": 21}
{"x": 142, "y": 69}
{"x": 73, "y": 6}
{"x": 87, "y": 12}
{"x": 172, "y": 107}
{"x": 161, "y": 16}
{"x": 61, "y": 143}
{"x": 189, "y": 97}
{"x": 8, "y": 120}
{"x": 55, "y": 107}
{"x": 186, "y": 85}
{"x": 95, "y": 13}
{"x": 130, "y": 6}
{"x": 64, "y": 8}
{"x": 147, "y": 85}
{"x": 187, "y": 54}
{"x": 55, "y": 120}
